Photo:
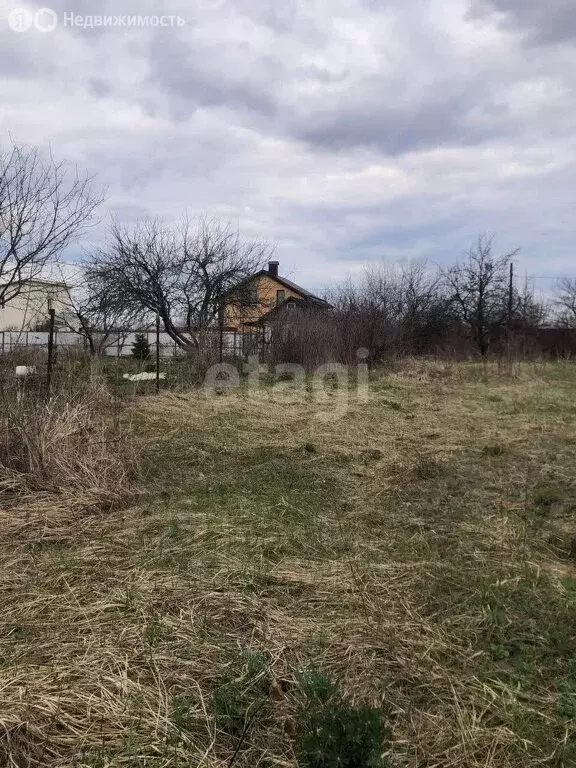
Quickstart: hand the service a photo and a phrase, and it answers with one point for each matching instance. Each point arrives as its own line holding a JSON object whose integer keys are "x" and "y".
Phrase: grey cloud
{"x": 343, "y": 108}
{"x": 19, "y": 59}
{"x": 99, "y": 87}
{"x": 322, "y": 74}
{"x": 543, "y": 22}
{"x": 365, "y": 141}
{"x": 192, "y": 77}
{"x": 279, "y": 16}
{"x": 374, "y": 117}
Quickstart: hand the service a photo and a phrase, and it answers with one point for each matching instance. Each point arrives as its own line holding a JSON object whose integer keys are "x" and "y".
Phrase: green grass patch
{"x": 331, "y": 732}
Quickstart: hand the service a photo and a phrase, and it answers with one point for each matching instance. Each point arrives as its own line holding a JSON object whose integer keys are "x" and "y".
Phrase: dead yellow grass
{"x": 395, "y": 547}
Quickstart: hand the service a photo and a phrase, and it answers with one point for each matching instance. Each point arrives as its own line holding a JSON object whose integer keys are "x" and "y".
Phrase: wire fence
{"x": 233, "y": 343}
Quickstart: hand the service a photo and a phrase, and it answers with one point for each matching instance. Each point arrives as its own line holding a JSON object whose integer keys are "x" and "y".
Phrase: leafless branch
{"x": 566, "y": 302}
{"x": 95, "y": 314}
{"x": 44, "y": 205}
{"x": 179, "y": 273}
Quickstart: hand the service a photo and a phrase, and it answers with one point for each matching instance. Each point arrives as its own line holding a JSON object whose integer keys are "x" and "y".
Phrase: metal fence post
{"x": 157, "y": 354}
{"x": 50, "y": 363}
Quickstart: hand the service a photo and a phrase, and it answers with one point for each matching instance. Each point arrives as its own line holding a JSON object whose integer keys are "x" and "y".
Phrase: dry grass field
{"x": 288, "y": 590}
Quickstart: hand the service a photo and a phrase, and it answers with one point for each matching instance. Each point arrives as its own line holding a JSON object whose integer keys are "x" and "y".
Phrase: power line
{"x": 552, "y": 277}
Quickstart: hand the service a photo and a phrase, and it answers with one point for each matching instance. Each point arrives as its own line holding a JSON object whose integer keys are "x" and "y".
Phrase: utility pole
{"x": 157, "y": 354}
{"x": 510, "y": 311}
{"x": 510, "y": 297}
{"x": 50, "y": 363}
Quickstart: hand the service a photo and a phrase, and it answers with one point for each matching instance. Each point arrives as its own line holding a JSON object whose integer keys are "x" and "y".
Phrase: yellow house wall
{"x": 235, "y": 315}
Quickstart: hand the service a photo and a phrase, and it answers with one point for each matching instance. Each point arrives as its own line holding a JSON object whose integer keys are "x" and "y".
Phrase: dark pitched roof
{"x": 283, "y": 281}
{"x": 308, "y": 302}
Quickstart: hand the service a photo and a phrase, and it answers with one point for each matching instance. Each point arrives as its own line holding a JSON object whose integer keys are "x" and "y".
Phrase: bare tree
{"x": 566, "y": 302}
{"x": 97, "y": 316}
{"x": 179, "y": 273}
{"x": 478, "y": 289}
{"x": 425, "y": 317}
{"x": 367, "y": 310}
{"x": 528, "y": 311}
{"x": 43, "y": 207}
{"x": 392, "y": 309}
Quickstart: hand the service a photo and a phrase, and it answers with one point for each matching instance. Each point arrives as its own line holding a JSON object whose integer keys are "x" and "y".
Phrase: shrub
{"x": 494, "y": 449}
{"x": 141, "y": 347}
{"x": 333, "y": 733}
{"x": 545, "y": 497}
{"x": 242, "y": 694}
{"x": 428, "y": 468}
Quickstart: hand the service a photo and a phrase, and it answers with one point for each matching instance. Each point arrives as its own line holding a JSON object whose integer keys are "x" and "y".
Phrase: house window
{"x": 280, "y": 297}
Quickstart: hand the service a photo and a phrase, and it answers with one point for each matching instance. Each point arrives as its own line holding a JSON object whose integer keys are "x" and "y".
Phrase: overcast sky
{"x": 345, "y": 131}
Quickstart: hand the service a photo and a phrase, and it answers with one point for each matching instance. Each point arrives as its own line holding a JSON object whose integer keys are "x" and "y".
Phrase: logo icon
{"x": 20, "y": 20}
{"x": 45, "y": 20}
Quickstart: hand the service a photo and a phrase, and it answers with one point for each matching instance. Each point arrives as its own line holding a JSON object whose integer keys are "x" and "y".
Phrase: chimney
{"x": 273, "y": 268}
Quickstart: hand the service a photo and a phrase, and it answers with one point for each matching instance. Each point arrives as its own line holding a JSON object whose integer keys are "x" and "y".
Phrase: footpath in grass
{"x": 393, "y": 587}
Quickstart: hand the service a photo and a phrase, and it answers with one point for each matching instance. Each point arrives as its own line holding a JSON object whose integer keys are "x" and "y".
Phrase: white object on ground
{"x": 151, "y": 376}
{"x": 25, "y": 370}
